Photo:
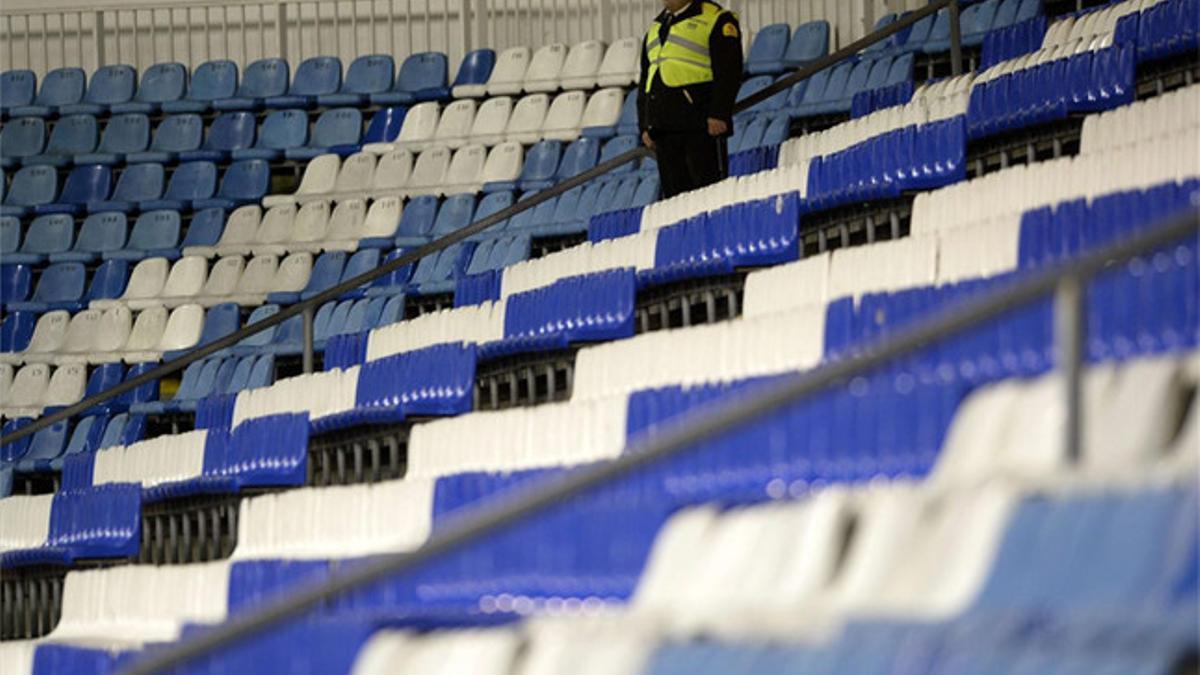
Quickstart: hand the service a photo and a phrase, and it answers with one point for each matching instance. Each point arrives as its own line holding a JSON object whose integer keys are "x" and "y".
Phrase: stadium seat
{"x": 22, "y": 138}
{"x": 768, "y": 49}
{"x": 72, "y": 135}
{"x": 615, "y": 147}
{"x": 10, "y": 235}
{"x": 465, "y": 173}
{"x": 46, "y": 235}
{"x": 422, "y": 77}
{"x": 108, "y": 281}
{"x": 809, "y": 43}
{"x": 454, "y": 127}
{"x": 60, "y": 286}
{"x": 161, "y": 83}
{"x": 85, "y": 184}
{"x": 110, "y": 85}
{"x": 77, "y": 341}
{"x": 337, "y": 130}
{"x": 503, "y": 167}
{"x": 377, "y": 229}
{"x": 144, "y": 336}
{"x": 621, "y": 63}
{"x": 491, "y": 121}
{"x": 181, "y": 331}
{"x": 582, "y": 65}
{"x": 123, "y": 135}
{"x": 191, "y": 182}
{"x": 473, "y": 74}
{"x": 244, "y": 182}
{"x": 155, "y": 234}
{"x": 416, "y": 222}
{"x": 355, "y": 176}
{"x": 65, "y": 387}
{"x": 16, "y": 281}
{"x": 211, "y": 81}
{"x": 541, "y": 166}
{"x": 320, "y": 176}
{"x": 508, "y": 76}
{"x": 45, "y": 340}
{"x": 145, "y": 283}
{"x": 224, "y": 279}
{"x": 392, "y": 174}
{"x": 60, "y": 87}
{"x": 491, "y": 204}
{"x": 345, "y": 225}
{"x": 602, "y": 114}
{"x": 99, "y": 234}
{"x": 218, "y": 322}
{"x": 228, "y": 132}
{"x": 564, "y": 117}
{"x": 384, "y": 127}
{"x": 282, "y": 130}
{"x": 258, "y": 278}
{"x": 251, "y": 344}
{"x": 262, "y": 79}
{"x": 275, "y": 230}
{"x": 326, "y": 272}
{"x": 184, "y": 284}
{"x": 416, "y": 134}
{"x": 545, "y": 69}
{"x": 174, "y": 135}
{"x": 528, "y": 118}
{"x": 454, "y": 214}
{"x": 627, "y": 123}
{"x": 16, "y": 329}
{"x": 315, "y": 76}
{"x": 138, "y": 183}
{"x": 368, "y": 75}
{"x": 305, "y": 232}
{"x": 17, "y": 88}
{"x": 358, "y": 264}
{"x": 204, "y": 232}
{"x": 85, "y": 439}
{"x": 429, "y": 171}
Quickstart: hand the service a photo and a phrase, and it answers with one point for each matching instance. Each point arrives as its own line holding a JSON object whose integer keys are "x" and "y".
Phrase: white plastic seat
{"x": 48, "y": 336}
{"x": 222, "y": 281}
{"x": 420, "y": 124}
{"x": 184, "y": 283}
{"x": 145, "y": 283}
{"x": 145, "y": 335}
{"x": 582, "y": 64}
{"x": 381, "y": 220}
{"x": 504, "y": 163}
{"x": 275, "y": 230}
{"x": 182, "y": 330}
{"x": 491, "y": 121}
{"x": 392, "y": 174}
{"x": 508, "y": 75}
{"x": 112, "y": 333}
{"x": 346, "y": 223}
{"x": 293, "y": 273}
{"x": 27, "y": 391}
{"x": 528, "y": 117}
{"x": 564, "y": 117}
{"x": 429, "y": 171}
{"x": 80, "y": 337}
{"x": 603, "y": 108}
{"x": 621, "y": 63}
{"x": 241, "y": 228}
{"x": 66, "y": 386}
{"x": 356, "y": 176}
{"x": 311, "y": 227}
{"x": 6, "y": 378}
{"x": 320, "y": 176}
{"x": 255, "y": 282}
{"x": 454, "y": 128}
{"x": 545, "y": 68}
{"x": 465, "y": 173}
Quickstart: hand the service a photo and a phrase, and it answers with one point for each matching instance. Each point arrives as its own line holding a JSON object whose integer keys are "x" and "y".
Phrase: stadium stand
{"x": 928, "y": 515}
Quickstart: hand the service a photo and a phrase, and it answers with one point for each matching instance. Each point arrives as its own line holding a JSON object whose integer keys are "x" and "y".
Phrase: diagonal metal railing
{"x": 307, "y": 308}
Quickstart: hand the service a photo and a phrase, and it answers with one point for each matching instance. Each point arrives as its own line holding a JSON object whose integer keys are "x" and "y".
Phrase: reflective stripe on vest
{"x": 684, "y": 59}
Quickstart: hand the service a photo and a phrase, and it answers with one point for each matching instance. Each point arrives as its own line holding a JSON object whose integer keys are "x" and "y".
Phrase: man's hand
{"x": 717, "y": 127}
{"x": 647, "y": 141}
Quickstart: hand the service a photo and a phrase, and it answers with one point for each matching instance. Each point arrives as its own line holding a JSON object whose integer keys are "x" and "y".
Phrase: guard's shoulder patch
{"x": 730, "y": 29}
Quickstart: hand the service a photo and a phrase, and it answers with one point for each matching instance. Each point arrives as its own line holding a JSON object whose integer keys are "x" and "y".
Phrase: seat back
{"x": 382, "y": 219}
{"x": 147, "y": 328}
{"x": 17, "y": 88}
{"x": 162, "y": 82}
{"x": 603, "y": 108}
{"x": 112, "y": 84}
{"x": 116, "y": 324}
{"x": 246, "y": 181}
{"x": 809, "y": 43}
{"x": 385, "y": 125}
{"x": 10, "y": 234}
{"x": 283, "y": 130}
{"x": 191, "y": 181}
{"x": 346, "y": 221}
{"x": 491, "y": 119}
{"x": 15, "y": 282}
{"x": 456, "y": 122}
{"x": 542, "y": 161}
{"x": 528, "y": 118}
{"x": 48, "y": 234}
{"x": 85, "y": 438}
{"x": 369, "y": 74}
{"x": 620, "y": 65}
{"x": 359, "y": 264}
{"x": 259, "y": 275}
{"x": 392, "y": 172}
{"x": 231, "y": 131}
{"x": 504, "y": 163}
{"x": 317, "y": 75}
{"x": 48, "y": 335}
{"x": 491, "y": 204}
{"x": 309, "y": 224}
{"x": 108, "y": 281}
{"x": 545, "y": 67}
{"x": 422, "y": 72}
{"x": 339, "y": 126}
{"x": 357, "y": 173}
{"x": 224, "y": 277}
{"x": 147, "y": 279}
{"x": 466, "y": 169}
{"x": 32, "y": 186}
{"x": 213, "y": 80}
{"x": 61, "y": 282}
{"x": 155, "y": 231}
{"x": 15, "y": 330}
{"x": 140, "y": 182}
{"x": 564, "y": 116}
{"x": 264, "y": 78}
{"x": 320, "y": 175}
{"x": 263, "y": 337}
{"x": 205, "y": 229}
{"x": 102, "y": 233}
{"x": 579, "y": 156}
{"x": 183, "y": 330}
{"x": 73, "y": 135}
{"x": 616, "y": 147}
{"x": 178, "y": 133}
{"x": 187, "y": 277}
{"x": 454, "y": 214}
{"x": 582, "y": 63}
{"x": 23, "y": 137}
{"x": 475, "y": 68}
{"x": 66, "y": 387}
{"x": 767, "y": 51}
{"x": 62, "y": 86}
{"x": 81, "y": 333}
{"x": 511, "y": 65}
{"x": 326, "y": 272}
{"x": 219, "y": 321}
{"x": 420, "y": 124}
{"x": 417, "y": 219}
{"x": 429, "y": 171}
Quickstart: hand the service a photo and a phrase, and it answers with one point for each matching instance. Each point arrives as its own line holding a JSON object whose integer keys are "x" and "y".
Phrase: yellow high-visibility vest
{"x": 684, "y": 58}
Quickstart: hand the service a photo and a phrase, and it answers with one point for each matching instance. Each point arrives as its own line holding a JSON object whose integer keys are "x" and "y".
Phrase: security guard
{"x": 691, "y": 71}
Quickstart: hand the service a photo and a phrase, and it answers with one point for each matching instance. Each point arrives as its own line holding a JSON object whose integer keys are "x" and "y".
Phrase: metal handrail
{"x": 308, "y": 307}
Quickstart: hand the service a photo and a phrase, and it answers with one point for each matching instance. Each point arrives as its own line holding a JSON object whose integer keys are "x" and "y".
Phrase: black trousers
{"x": 689, "y": 160}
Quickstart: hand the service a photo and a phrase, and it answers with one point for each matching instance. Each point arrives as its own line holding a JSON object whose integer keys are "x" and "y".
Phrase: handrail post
{"x": 1069, "y": 328}
{"x": 307, "y": 319}
{"x": 956, "y": 60}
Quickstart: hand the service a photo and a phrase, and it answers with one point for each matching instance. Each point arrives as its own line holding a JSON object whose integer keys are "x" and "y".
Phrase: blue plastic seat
{"x": 360, "y": 263}
{"x": 108, "y": 282}
{"x": 475, "y": 68}
{"x": 205, "y": 229}
{"x": 281, "y": 131}
{"x": 579, "y": 156}
{"x": 261, "y": 80}
{"x": 627, "y": 123}
{"x": 85, "y": 184}
{"x": 976, "y": 20}
{"x": 777, "y": 131}
{"x": 1029, "y": 9}
{"x": 138, "y": 183}
{"x": 104, "y": 377}
{"x": 809, "y": 43}
{"x": 888, "y": 44}
{"x": 147, "y": 391}
{"x": 416, "y": 221}
{"x": 615, "y": 147}
{"x": 326, "y": 273}
{"x": 155, "y": 235}
{"x": 191, "y": 181}
{"x": 46, "y": 445}
{"x": 919, "y": 33}
{"x": 174, "y": 135}
{"x": 46, "y": 235}
{"x": 16, "y": 281}
{"x": 454, "y": 214}
{"x": 385, "y": 125}
{"x": 368, "y": 74}
{"x": 244, "y": 182}
{"x": 541, "y": 165}
{"x": 11, "y": 453}
{"x": 253, "y": 343}
{"x": 752, "y": 86}
{"x": 60, "y": 87}
{"x": 17, "y": 88}
{"x": 422, "y": 77}
{"x": 110, "y": 85}
{"x": 123, "y": 135}
{"x": 339, "y": 128}
{"x": 437, "y": 274}
{"x": 315, "y": 76}
{"x": 20, "y": 139}
{"x": 241, "y": 375}
{"x": 197, "y": 372}
{"x": 10, "y": 235}
{"x": 60, "y": 286}
{"x": 229, "y": 131}
{"x": 491, "y": 204}
{"x": 31, "y": 186}
{"x": 71, "y": 135}
{"x": 824, "y": 96}
{"x": 767, "y": 51}
{"x": 85, "y": 439}
{"x": 648, "y": 190}
{"x": 542, "y": 220}
{"x": 211, "y": 81}
{"x": 263, "y": 372}
{"x": 748, "y": 135}
{"x": 16, "y": 328}
{"x": 219, "y": 321}
{"x": 100, "y": 233}
{"x": 161, "y": 83}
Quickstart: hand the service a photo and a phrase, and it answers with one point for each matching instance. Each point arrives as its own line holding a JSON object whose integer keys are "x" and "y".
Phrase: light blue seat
{"x": 901, "y": 70}
{"x": 155, "y": 235}
{"x": 336, "y": 128}
{"x": 21, "y": 139}
{"x": 627, "y": 123}
{"x": 175, "y": 134}
{"x": 315, "y": 76}
{"x": 244, "y": 182}
{"x": 161, "y": 83}
{"x": 491, "y": 204}
{"x": 195, "y": 383}
{"x": 123, "y": 135}
{"x": 616, "y": 147}
{"x": 17, "y": 88}
{"x": 10, "y": 235}
{"x": 192, "y": 181}
{"x": 228, "y": 132}
{"x": 454, "y": 214}
{"x": 205, "y": 229}
{"x": 71, "y": 135}
{"x": 648, "y": 190}
{"x": 46, "y": 235}
{"x": 261, "y": 80}
{"x": 752, "y": 86}
{"x": 263, "y": 373}
{"x": 84, "y": 185}
{"x": 579, "y": 156}
{"x": 326, "y": 273}
{"x": 422, "y": 77}
{"x": 110, "y": 85}
{"x": 919, "y": 34}
{"x": 416, "y": 221}
{"x": 777, "y": 131}
{"x": 46, "y": 445}
{"x": 211, "y": 81}
{"x": 767, "y": 51}
{"x": 138, "y": 183}
{"x": 282, "y": 130}
{"x": 85, "y": 439}
{"x": 360, "y": 263}
{"x": 475, "y": 69}
{"x": 1028, "y": 10}
{"x": 60, "y": 87}
{"x": 253, "y": 344}
{"x": 60, "y": 286}
{"x": 31, "y": 186}
{"x": 541, "y": 165}
{"x": 100, "y": 233}
{"x": 883, "y": 45}
{"x": 809, "y": 43}
{"x": 368, "y": 74}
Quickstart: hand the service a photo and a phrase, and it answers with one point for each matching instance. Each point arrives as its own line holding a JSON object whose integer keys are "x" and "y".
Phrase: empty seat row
{"x": 48, "y": 449}
{"x": 102, "y": 236}
{"x": 38, "y": 386}
{"x": 556, "y": 66}
{"x": 931, "y": 34}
